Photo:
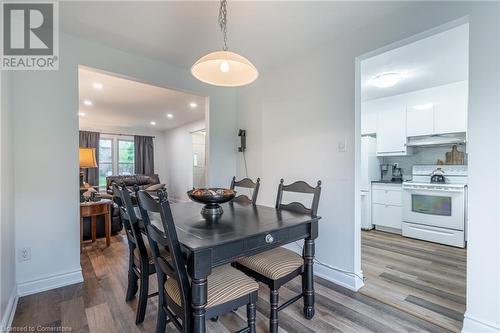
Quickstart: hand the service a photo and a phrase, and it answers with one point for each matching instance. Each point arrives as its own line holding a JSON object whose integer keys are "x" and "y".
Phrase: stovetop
{"x": 453, "y": 174}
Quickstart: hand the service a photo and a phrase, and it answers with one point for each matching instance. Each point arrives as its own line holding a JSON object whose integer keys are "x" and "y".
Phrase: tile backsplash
{"x": 421, "y": 155}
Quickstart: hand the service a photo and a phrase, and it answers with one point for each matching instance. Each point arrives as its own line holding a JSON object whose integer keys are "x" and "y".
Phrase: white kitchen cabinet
{"x": 450, "y": 112}
{"x": 387, "y": 210}
{"x": 437, "y": 110}
{"x": 419, "y": 121}
{"x": 391, "y": 127}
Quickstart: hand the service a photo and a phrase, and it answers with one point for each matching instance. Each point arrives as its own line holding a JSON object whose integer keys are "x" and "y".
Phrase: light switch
{"x": 342, "y": 146}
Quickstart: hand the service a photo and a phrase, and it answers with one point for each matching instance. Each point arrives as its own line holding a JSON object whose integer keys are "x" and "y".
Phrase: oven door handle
{"x": 421, "y": 189}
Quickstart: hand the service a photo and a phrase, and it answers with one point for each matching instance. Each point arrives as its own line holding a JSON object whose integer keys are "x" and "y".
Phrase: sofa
{"x": 145, "y": 182}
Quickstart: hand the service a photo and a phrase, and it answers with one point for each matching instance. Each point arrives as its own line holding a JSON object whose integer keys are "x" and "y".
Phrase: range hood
{"x": 436, "y": 140}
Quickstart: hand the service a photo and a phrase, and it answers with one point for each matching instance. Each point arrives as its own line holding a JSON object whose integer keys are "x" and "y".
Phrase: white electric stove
{"x": 436, "y": 212}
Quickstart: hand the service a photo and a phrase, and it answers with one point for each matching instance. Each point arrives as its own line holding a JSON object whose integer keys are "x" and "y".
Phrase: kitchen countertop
{"x": 386, "y": 182}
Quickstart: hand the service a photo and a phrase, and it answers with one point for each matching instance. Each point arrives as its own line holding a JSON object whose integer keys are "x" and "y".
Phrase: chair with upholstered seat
{"x": 249, "y": 184}
{"x": 278, "y": 266}
{"x": 228, "y": 288}
{"x": 141, "y": 262}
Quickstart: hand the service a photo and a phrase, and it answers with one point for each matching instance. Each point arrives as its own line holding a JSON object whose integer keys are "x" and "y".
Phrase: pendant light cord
{"x": 223, "y": 21}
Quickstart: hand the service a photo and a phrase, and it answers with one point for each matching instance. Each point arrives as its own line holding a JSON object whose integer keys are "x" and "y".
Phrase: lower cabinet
{"x": 387, "y": 210}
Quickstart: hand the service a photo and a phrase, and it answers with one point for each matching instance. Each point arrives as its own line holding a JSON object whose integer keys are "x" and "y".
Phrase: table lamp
{"x": 87, "y": 160}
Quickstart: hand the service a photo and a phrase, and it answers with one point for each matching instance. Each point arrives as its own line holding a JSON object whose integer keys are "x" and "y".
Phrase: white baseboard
{"x": 348, "y": 281}
{"x": 474, "y": 325}
{"x": 10, "y": 311}
{"x": 50, "y": 282}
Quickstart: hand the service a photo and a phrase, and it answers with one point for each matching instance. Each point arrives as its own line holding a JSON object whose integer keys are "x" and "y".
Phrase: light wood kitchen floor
{"x": 422, "y": 278}
{"x": 98, "y": 305}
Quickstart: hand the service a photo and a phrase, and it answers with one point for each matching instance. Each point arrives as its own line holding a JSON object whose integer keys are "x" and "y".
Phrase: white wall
{"x": 179, "y": 161}
{"x": 7, "y": 252}
{"x": 158, "y": 141}
{"x": 296, "y": 114}
{"x": 45, "y": 105}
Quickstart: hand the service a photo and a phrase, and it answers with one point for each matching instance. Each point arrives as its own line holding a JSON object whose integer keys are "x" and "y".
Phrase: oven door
{"x": 444, "y": 208}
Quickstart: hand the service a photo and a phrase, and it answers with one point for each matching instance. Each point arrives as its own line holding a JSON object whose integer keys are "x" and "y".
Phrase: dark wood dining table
{"x": 242, "y": 230}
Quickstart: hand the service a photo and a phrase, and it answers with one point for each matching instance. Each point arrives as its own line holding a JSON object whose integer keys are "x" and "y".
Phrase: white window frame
{"x": 118, "y": 154}
{"x": 114, "y": 148}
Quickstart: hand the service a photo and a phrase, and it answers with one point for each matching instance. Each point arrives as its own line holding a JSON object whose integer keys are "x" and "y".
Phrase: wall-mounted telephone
{"x": 243, "y": 140}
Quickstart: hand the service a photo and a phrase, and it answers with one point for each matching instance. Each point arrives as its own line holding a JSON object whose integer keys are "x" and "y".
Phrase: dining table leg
{"x": 199, "y": 303}
{"x": 308, "y": 278}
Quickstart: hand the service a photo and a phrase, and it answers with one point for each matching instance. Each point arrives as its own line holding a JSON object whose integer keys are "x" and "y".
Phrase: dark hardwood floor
{"x": 422, "y": 278}
{"x": 98, "y": 305}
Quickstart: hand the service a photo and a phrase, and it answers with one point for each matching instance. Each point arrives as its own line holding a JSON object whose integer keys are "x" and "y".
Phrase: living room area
{"x": 127, "y": 129}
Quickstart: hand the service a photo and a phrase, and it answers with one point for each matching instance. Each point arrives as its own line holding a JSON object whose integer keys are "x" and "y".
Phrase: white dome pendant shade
{"x": 225, "y": 69}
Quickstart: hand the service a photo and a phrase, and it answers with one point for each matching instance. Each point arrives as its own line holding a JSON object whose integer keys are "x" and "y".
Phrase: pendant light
{"x": 224, "y": 68}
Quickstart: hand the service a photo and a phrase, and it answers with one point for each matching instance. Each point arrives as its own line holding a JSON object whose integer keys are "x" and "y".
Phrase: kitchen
{"x": 414, "y": 175}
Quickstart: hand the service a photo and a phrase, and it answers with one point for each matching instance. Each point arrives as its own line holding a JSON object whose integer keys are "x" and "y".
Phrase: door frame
{"x": 357, "y": 125}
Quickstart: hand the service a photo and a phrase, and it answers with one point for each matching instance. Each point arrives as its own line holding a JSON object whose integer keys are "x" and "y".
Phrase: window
{"x": 105, "y": 160}
{"x": 116, "y": 157}
{"x": 125, "y": 157}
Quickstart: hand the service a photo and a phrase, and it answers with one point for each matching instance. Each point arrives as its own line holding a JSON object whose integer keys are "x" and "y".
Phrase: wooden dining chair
{"x": 246, "y": 183}
{"x": 278, "y": 266}
{"x": 141, "y": 263}
{"x": 228, "y": 288}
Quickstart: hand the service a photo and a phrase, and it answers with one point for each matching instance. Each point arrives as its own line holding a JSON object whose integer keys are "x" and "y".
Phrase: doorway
{"x": 140, "y": 134}
{"x": 199, "y": 160}
{"x": 411, "y": 124}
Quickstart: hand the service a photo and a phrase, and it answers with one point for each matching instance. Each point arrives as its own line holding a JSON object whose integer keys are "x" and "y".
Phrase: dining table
{"x": 242, "y": 230}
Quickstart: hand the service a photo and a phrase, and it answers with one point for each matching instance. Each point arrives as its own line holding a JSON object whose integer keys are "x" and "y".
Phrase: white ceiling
{"x": 440, "y": 59}
{"x": 130, "y": 105}
{"x": 178, "y": 33}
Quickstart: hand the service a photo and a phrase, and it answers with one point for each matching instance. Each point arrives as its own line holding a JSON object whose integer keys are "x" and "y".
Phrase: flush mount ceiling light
{"x": 193, "y": 105}
{"x": 88, "y": 102}
{"x": 386, "y": 80}
{"x": 97, "y": 85}
{"x": 224, "y": 68}
{"x": 169, "y": 115}
{"x": 153, "y": 123}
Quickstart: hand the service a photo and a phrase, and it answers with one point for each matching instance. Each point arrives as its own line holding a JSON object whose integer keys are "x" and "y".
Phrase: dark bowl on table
{"x": 211, "y": 197}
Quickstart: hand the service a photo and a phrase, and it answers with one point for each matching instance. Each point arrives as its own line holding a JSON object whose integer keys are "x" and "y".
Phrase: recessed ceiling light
{"x": 88, "y": 102}
{"x": 423, "y": 106}
{"x": 169, "y": 115}
{"x": 82, "y": 114}
{"x": 153, "y": 123}
{"x": 97, "y": 85}
{"x": 193, "y": 105}
{"x": 386, "y": 80}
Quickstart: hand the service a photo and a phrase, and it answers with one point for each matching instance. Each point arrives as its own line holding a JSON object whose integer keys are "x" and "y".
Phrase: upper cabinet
{"x": 438, "y": 110}
{"x": 387, "y": 118}
{"x": 391, "y": 129}
{"x": 450, "y": 111}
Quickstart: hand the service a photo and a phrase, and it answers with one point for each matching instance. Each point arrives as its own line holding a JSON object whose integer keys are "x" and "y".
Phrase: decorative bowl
{"x": 212, "y": 198}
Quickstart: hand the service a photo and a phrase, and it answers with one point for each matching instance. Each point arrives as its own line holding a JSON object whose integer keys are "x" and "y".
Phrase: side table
{"x": 92, "y": 210}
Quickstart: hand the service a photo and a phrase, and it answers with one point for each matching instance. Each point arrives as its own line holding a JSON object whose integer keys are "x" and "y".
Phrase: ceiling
{"x": 440, "y": 59}
{"x": 131, "y": 105}
{"x": 178, "y": 33}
